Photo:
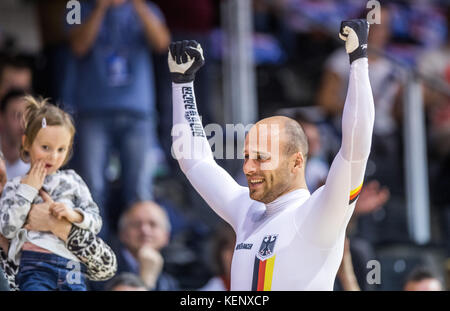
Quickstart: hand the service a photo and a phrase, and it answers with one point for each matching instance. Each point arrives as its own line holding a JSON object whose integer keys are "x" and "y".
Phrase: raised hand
{"x": 185, "y": 58}
{"x": 36, "y": 175}
{"x": 355, "y": 33}
{"x": 372, "y": 198}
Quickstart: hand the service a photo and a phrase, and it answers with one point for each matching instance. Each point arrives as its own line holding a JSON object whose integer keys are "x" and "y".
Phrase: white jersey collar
{"x": 286, "y": 200}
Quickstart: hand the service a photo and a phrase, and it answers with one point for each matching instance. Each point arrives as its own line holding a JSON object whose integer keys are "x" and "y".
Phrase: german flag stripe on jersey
{"x": 354, "y": 194}
{"x": 263, "y": 274}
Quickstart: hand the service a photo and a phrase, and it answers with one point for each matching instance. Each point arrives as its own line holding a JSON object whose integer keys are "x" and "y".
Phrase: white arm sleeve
{"x": 330, "y": 207}
{"x": 191, "y": 149}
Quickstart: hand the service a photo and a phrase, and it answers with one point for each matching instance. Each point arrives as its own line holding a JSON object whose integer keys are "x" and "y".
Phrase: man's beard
{"x": 269, "y": 196}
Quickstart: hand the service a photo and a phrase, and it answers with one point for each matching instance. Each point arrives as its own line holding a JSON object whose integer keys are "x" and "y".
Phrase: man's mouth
{"x": 48, "y": 165}
{"x": 255, "y": 182}
{"x": 147, "y": 240}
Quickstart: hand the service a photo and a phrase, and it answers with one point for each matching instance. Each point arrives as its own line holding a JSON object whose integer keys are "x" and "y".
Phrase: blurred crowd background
{"x": 111, "y": 74}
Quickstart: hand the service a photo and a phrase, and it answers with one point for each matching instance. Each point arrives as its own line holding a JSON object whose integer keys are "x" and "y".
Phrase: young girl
{"x": 44, "y": 261}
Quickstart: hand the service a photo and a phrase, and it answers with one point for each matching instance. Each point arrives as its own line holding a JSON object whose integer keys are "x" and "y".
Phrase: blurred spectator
{"x": 435, "y": 64}
{"x": 372, "y": 198}
{"x": 144, "y": 230}
{"x": 200, "y": 15}
{"x": 12, "y": 108}
{"x": 417, "y": 22}
{"x": 55, "y": 53}
{"x": 272, "y": 38}
{"x": 346, "y": 274}
{"x": 15, "y": 72}
{"x": 222, "y": 248}
{"x": 113, "y": 87}
{"x": 421, "y": 279}
{"x": 305, "y": 15}
{"x": 126, "y": 282}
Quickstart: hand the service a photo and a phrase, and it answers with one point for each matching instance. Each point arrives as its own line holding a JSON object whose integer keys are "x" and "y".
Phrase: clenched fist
{"x": 185, "y": 58}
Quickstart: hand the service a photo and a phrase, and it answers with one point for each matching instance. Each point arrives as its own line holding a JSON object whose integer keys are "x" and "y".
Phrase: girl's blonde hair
{"x": 35, "y": 112}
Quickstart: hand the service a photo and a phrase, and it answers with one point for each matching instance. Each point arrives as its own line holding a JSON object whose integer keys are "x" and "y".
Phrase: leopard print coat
{"x": 100, "y": 260}
{"x": 9, "y": 270}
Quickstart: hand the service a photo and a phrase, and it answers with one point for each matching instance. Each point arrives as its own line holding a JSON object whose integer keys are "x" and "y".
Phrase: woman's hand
{"x": 40, "y": 218}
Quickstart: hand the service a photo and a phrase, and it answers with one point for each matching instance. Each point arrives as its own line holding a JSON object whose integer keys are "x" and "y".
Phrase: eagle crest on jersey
{"x": 267, "y": 246}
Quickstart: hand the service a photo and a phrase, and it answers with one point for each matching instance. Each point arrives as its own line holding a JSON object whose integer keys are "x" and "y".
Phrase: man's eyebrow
{"x": 263, "y": 153}
{"x": 259, "y": 153}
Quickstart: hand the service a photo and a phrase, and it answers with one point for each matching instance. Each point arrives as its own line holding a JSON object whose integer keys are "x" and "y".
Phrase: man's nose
{"x": 249, "y": 167}
{"x": 146, "y": 229}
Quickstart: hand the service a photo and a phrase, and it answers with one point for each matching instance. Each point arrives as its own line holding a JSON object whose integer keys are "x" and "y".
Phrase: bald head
{"x": 274, "y": 158}
{"x": 144, "y": 223}
{"x": 292, "y": 136}
{"x": 422, "y": 279}
{"x": 145, "y": 207}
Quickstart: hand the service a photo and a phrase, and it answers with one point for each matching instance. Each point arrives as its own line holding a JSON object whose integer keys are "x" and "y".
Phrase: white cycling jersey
{"x": 295, "y": 242}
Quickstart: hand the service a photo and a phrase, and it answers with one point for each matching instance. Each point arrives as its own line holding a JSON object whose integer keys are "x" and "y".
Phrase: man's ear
{"x": 167, "y": 240}
{"x": 299, "y": 160}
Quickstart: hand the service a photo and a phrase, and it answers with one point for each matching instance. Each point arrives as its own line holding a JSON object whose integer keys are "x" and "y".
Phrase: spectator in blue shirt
{"x": 112, "y": 90}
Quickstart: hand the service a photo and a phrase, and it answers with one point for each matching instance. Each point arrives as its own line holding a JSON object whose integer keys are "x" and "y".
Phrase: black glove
{"x": 355, "y": 32}
{"x": 185, "y": 58}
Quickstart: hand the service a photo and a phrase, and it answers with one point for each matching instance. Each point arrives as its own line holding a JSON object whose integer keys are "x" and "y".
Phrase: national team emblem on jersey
{"x": 264, "y": 264}
{"x": 267, "y": 246}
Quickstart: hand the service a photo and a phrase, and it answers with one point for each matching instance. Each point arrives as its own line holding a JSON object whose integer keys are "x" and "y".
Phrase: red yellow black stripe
{"x": 354, "y": 194}
{"x": 263, "y": 274}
